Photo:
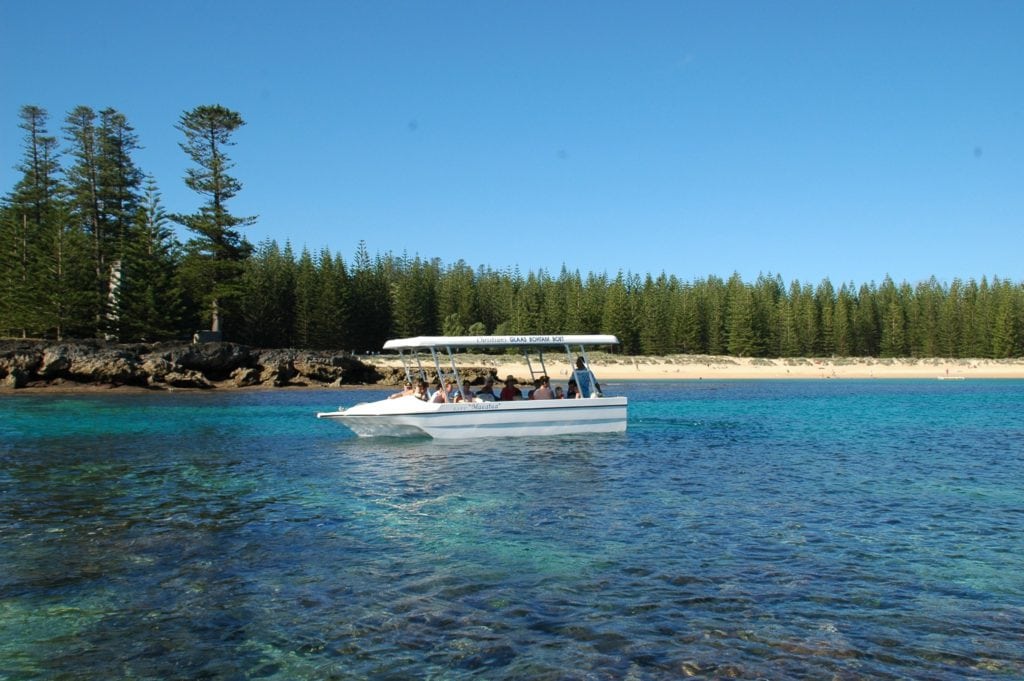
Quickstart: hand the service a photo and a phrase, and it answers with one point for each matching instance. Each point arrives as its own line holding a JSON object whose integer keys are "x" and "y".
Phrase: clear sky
{"x": 809, "y": 139}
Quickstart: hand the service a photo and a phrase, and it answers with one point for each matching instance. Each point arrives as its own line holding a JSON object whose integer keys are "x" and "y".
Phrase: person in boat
{"x": 573, "y": 391}
{"x": 583, "y": 379}
{"x": 510, "y": 391}
{"x": 420, "y": 392}
{"x": 451, "y": 389}
{"x": 543, "y": 390}
{"x": 439, "y": 394}
{"x": 486, "y": 393}
{"x": 466, "y": 394}
{"x": 559, "y": 393}
{"x": 407, "y": 391}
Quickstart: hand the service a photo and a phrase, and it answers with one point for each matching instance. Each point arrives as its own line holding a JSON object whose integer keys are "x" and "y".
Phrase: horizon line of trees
{"x": 87, "y": 250}
{"x": 316, "y": 300}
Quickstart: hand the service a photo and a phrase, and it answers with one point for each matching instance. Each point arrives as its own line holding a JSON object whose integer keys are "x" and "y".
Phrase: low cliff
{"x": 25, "y": 363}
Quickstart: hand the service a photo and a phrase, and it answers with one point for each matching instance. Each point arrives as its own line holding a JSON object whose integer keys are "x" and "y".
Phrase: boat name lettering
{"x": 475, "y": 406}
{"x": 535, "y": 339}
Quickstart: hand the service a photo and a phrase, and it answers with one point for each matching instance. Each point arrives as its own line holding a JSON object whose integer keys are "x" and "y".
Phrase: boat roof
{"x": 425, "y": 342}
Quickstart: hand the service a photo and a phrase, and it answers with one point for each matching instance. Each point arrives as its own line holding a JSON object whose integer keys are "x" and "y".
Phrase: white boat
{"x": 473, "y": 417}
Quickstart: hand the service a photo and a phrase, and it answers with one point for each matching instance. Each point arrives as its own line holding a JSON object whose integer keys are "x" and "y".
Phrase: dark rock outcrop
{"x": 216, "y": 361}
{"x": 173, "y": 365}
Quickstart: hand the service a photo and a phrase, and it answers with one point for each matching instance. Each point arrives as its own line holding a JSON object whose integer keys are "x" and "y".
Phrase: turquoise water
{"x": 800, "y": 529}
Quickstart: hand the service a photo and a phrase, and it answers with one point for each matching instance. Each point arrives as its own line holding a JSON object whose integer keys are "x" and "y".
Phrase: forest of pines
{"x": 87, "y": 250}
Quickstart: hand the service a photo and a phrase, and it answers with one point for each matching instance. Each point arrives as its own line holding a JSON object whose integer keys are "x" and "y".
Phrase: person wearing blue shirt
{"x": 584, "y": 379}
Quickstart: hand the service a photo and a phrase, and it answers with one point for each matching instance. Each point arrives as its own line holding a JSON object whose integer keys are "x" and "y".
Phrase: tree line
{"x": 88, "y": 250}
{"x": 317, "y": 300}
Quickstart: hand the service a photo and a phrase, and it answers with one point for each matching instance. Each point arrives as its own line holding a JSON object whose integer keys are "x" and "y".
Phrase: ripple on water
{"x": 747, "y": 530}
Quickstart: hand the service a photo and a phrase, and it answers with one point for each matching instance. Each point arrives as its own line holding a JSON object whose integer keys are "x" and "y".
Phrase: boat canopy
{"x": 427, "y": 342}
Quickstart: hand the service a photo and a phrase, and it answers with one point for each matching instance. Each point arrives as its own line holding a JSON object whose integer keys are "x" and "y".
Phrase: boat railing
{"x": 445, "y": 366}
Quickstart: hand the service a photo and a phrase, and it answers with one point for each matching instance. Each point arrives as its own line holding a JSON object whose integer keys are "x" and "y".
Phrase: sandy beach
{"x": 702, "y": 367}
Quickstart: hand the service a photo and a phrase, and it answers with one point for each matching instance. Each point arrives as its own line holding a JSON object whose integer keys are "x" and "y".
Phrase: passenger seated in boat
{"x": 439, "y": 394}
{"x": 510, "y": 391}
{"x": 464, "y": 395}
{"x": 421, "y": 390}
{"x": 407, "y": 391}
{"x": 559, "y": 393}
{"x": 486, "y": 393}
{"x": 573, "y": 392}
{"x": 543, "y": 391}
{"x": 451, "y": 389}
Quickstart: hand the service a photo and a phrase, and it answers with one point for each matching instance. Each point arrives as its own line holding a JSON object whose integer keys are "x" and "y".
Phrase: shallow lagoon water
{"x": 763, "y": 529}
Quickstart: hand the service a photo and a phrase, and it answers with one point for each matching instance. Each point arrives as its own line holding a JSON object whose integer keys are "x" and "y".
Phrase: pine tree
{"x": 493, "y": 298}
{"x": 807, "y": 319}
{"x": 894, "y": 321}
{"x": 655, "y": 321}
{"x": 740, "y": 319}
{"x": 766, "y": 293}
{"x": 571, "y": 291}
{"x": 267, "y": 304}
{"x": 824, "y": 304}
{"x": 120, "y": 179}
{"x": 842, "y": 324}
{"x": 456, "y": 294}
{"x": 86, "y": 207}
{"x": 689, "y": 321}
{"x": 332, "y": 307}
{"x": 619, "y": 318}
{"x": 866, "y": 322}
{"x": 950, "y": 321}
{"x": 1006, "y": 323}
{"x": 212, "y": 266}
{"x": 528, "y": 302}
{"x": 103, "y": 196}
{"x": 414, "y": 299}
{"x": 595, "y": 291}
{"x": 371, "y": 302}
{"x": 34, "y": 223}
{"x": 147, "y": 302}
{"x": 789, "y": 342}
{"x": 555, "y": 303}
{"x": 65, "y": 302}
{"x": 453, "y": 325}
{"x": 924, "y": 324}
{"x": 714, "y": 294}
{"x": 307, "y": 293}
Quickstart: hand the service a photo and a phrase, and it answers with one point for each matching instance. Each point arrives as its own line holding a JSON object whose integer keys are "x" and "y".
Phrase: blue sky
{"x": 809, "y": 139}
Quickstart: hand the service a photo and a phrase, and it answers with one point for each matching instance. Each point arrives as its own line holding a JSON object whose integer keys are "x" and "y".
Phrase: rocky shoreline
{"x": 93, "y": 364}
{"x": 164, "y": 366}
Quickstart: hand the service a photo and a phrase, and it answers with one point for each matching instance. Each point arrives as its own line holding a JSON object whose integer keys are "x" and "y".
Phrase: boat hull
{"x": 411, "y": 417}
